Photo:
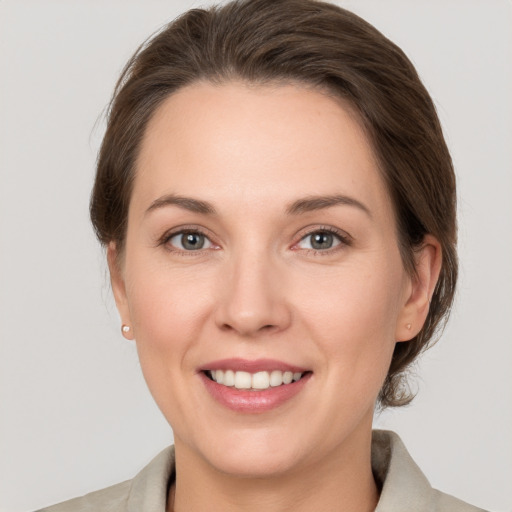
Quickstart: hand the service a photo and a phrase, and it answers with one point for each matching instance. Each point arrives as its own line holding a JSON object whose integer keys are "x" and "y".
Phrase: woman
{"x": 278, "y": 206}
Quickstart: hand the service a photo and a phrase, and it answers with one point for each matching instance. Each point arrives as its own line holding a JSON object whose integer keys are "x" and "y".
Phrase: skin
{"x": 258, "y": 290}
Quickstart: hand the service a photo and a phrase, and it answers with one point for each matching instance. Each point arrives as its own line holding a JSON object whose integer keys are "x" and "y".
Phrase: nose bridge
{"x": 252, "y": 299}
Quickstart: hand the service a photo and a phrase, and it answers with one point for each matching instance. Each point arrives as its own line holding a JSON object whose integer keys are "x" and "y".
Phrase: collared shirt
{"x": 404, "y": 487}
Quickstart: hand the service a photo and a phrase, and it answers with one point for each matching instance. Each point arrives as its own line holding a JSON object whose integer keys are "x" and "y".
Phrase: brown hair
{"x": 321, "y": 45}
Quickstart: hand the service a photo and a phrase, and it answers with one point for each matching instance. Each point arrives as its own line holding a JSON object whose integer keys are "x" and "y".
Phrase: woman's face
{"x": 261, "y": 240}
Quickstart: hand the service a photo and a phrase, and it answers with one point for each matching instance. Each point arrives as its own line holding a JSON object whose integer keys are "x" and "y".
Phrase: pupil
{"x": 192, "y": 241}
{"x": 322, "y": 241}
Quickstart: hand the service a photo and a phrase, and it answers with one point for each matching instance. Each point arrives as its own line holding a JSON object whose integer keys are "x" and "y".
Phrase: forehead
{"x": 256, "y": 144}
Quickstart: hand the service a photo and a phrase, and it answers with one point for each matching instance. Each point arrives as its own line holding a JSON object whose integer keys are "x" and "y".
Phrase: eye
{"x": 189, "y": 241}
{"x": 320, "y": 240}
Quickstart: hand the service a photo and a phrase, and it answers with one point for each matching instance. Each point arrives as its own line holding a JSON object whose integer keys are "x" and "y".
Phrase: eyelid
{"x": 344, "y": 238}
{"x": 187, "y": 228}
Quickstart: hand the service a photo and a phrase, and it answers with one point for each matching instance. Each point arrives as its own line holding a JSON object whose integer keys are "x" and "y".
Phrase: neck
{"x": 341, "y": 481}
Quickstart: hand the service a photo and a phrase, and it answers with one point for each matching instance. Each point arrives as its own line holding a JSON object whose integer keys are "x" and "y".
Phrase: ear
{"x": 119, "y": 288}
{"x": 428, "y": 260}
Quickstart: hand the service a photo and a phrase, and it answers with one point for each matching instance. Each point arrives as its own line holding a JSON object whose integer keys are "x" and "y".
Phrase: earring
{"x": 409, "y": 326}
{"x": 125, "y": 329}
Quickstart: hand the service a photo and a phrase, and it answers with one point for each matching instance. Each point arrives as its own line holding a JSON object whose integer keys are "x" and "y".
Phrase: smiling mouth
{"x": 258, "y": 381}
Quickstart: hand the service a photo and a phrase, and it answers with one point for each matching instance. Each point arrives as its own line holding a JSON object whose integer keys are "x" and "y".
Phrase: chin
{"x": 259, "y": 464}
{"x": 252, "y": 455}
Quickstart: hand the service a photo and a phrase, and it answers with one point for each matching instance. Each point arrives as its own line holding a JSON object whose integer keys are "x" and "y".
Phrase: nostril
{"x": 267, "y": 327}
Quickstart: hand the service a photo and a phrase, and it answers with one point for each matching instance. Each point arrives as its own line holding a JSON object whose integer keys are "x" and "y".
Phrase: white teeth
{"x": 287, "y": 377}
{"x": 243, "y": 380}
{"x": 229, "y": 378}
{"x": 258, "y": 380}
{"x": 276, "y": 378}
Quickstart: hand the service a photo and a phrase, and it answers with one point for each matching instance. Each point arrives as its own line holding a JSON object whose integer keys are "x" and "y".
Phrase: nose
{"x": 252, "y": 297}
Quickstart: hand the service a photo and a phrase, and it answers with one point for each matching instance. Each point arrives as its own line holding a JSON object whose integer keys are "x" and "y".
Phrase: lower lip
{"x": 243, "y": 400}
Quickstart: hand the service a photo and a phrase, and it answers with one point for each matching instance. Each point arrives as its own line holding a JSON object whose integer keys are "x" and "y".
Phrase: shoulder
{"x": 445, "y": 503}
{"x": 404, "y": 487}
{"x": 112, "y": 498}
{"x": 147, "y": 491}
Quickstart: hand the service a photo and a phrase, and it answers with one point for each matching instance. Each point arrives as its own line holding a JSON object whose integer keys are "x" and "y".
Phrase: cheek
{"x": 168, "y": 311}
{"x": 354, "y": 300}
{"x": 164, "y": 303}
{"x": 352, "y": 315}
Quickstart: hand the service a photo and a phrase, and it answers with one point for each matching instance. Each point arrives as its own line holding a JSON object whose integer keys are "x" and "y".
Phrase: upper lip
{"x": 252, "y": 366}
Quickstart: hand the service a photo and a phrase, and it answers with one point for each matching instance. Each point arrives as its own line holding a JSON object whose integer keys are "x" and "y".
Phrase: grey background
{"x": 75, "y": 414}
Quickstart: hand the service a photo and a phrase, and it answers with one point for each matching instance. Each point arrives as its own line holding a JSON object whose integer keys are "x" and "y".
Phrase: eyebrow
{"x": 187, "y": 203}
{"x": 312, "y": 203}
{"x": 300, "y": 206}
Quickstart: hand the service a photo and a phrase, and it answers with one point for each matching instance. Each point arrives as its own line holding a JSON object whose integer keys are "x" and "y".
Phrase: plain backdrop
{"x": 75, "y": 414}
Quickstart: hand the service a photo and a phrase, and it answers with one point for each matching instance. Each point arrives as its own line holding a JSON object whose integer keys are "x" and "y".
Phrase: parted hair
{"x": 316, "y": 44}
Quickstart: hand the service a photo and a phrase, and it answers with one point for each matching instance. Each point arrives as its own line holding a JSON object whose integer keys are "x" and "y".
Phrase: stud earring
{"x": 125, "y": 329}
{"x": 409, "y": 326}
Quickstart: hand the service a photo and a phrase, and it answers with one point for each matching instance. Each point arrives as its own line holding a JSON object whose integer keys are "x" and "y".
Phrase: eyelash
{"x": 164, "y": 240}
{"x": 344, "y": 239}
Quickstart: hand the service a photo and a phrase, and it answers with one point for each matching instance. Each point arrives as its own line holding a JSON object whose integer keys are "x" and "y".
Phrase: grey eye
{"x": 319, "y": 240}
{"x": 190, "y": 241}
